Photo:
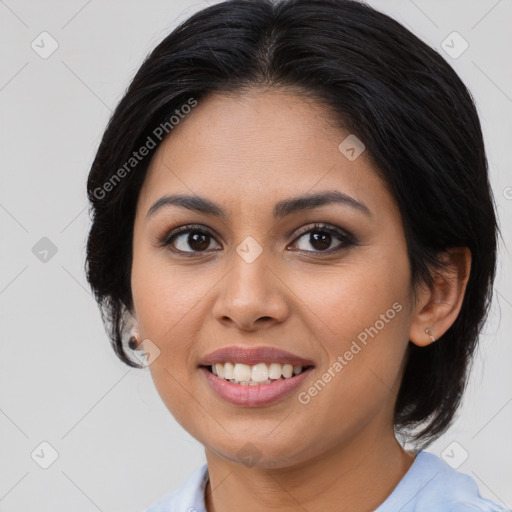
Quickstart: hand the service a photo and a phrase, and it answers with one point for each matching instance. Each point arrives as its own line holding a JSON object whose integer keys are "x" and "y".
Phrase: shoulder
{"x": 188, "y": 497}
{"x": 431, "y": 484}
{"x": 459, "y": 491}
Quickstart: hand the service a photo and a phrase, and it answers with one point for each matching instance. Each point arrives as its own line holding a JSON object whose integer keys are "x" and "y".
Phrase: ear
{"x": 437, "y": 307}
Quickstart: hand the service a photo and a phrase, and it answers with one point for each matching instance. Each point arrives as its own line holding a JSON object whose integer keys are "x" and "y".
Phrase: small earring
{"x": 132, "y": 343}
{"x": 429, "y": 332}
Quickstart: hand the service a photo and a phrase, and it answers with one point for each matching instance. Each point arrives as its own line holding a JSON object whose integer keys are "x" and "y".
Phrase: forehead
{"x": 251, "y": 147}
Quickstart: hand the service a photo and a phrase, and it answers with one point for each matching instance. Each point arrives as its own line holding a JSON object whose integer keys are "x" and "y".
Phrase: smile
{"x": 254, "y": 375}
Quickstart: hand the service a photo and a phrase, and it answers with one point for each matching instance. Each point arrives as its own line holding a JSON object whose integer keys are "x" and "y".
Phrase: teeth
{"x": 241, "y": 372}
{"x": 220, "y": 370}
{"x": 229, "y": 371}
{"x": 254, "y": 375}
{"x": 287, "y": 371}
{"x": 274, "y": 371}
{"x": 259, "y": 372}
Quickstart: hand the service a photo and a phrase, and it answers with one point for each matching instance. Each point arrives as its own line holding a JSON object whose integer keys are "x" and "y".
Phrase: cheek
{"x": 165, "y": 303}
{"x": 347, "y": 301}
{"x": 164, "y": 306}
{"x": 362, "y": 322}
{"x": 360, "y": 378}
{"x": 165, "y": 295}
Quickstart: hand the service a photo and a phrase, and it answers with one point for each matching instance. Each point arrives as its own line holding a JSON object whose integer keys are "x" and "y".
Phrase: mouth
{"x": 254, "y": 376}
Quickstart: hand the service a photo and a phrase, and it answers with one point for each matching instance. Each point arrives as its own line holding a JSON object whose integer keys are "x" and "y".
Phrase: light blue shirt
{"x": 430, "y": 485}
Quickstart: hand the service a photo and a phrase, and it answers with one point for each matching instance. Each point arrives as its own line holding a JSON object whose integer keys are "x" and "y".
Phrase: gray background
{"x": 118, "y": 447}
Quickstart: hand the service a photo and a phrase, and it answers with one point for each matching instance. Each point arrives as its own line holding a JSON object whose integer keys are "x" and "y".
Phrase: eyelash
{"x": 347, "y": 239}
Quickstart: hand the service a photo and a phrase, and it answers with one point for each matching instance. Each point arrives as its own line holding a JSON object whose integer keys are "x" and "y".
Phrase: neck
{"x": 355, "y": 477}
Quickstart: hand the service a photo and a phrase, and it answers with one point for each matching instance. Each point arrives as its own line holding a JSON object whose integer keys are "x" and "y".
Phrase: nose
{"x": 252, "y": 295}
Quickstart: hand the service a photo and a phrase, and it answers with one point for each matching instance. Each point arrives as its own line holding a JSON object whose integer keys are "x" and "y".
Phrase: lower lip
{"x": 254, "y": 396}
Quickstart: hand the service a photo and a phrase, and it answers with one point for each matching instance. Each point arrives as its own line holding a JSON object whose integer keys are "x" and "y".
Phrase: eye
{"x": 190, "y": 240}
{"x": 195, "y": 237}
{"x": 321, "y": 236}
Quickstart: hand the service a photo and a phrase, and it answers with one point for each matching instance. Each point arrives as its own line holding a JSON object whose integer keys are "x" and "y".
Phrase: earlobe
{"x": 430, "y": 335}
{"x": 438, "y": 306}
{"x": 133, "y": 342}
{"x": 135, "y": 339}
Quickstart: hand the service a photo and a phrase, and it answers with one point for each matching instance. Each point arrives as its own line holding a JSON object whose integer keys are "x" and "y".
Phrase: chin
{"x": 260, "y": 452}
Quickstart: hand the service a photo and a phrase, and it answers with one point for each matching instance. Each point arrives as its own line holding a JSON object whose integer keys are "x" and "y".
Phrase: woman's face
{"x": 266, "y": 277}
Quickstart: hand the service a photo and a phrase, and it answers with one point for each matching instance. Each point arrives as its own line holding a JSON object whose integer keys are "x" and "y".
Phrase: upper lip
{"x": 253, "y": 355}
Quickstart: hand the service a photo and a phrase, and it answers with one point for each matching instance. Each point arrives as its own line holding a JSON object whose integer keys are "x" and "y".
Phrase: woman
{"x": 292, "y": 213}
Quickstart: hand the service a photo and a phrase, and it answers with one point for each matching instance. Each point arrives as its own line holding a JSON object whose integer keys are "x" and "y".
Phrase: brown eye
{"x": 320, "y": 237}
{"x": 189, "y": 239}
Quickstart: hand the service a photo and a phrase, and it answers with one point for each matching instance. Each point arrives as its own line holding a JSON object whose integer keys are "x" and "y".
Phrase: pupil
{"x": 324, "y": 239}
{"x": 198, "y": 241}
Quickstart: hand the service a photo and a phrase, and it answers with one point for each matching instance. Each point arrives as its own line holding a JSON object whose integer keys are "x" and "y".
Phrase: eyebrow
{"x": 281, "y": 208}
